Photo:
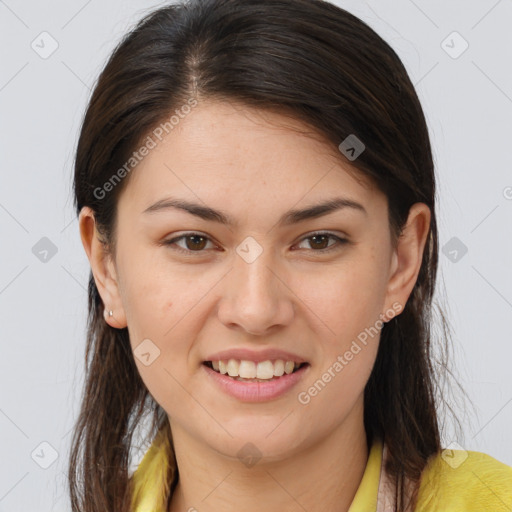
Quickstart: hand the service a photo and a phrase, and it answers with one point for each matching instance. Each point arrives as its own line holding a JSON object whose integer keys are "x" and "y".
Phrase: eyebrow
{"x": 288, "y": 218}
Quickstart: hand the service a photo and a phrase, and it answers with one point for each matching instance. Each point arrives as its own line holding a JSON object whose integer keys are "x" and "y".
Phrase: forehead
{"x": 226, "y": 153}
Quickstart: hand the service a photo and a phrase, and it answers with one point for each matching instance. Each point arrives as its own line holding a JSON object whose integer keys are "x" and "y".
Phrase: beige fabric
{"x": 386, "y": 493}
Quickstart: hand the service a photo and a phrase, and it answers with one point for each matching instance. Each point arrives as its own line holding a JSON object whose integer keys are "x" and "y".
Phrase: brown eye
{"x": 194, "y": 242}
{"x": 319, "y": 242}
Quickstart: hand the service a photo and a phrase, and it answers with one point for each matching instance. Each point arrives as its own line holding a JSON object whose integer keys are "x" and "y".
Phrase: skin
{"x": 294, "y": 296}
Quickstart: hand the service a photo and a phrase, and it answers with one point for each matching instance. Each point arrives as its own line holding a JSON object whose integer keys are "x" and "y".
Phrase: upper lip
{"x": 251, "y": 355}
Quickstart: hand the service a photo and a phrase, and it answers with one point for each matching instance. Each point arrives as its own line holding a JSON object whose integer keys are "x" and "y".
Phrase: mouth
{"x": 249, "y": 371}
{"x": 248, "y": 381}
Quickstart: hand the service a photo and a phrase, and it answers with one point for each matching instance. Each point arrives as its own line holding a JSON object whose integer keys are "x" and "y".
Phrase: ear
{"x": 103, "y": 269}
{"x": 407, "y": 257}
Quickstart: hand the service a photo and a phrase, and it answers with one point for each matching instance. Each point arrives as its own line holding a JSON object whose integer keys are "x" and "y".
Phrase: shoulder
{"x": 460, "y": 480}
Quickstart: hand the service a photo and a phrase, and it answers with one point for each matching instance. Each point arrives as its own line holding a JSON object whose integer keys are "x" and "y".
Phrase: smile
{"x": 229, "y": 376}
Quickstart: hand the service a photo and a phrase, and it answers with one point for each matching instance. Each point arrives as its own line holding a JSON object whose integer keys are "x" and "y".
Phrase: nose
{"x": 256, "y": 298}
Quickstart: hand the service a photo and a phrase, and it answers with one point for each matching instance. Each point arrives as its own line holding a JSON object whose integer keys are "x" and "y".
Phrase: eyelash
{"x": 340, "y": 241}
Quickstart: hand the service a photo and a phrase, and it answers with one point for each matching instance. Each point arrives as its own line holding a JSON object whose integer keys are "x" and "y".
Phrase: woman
{"x": 256, "y": 197}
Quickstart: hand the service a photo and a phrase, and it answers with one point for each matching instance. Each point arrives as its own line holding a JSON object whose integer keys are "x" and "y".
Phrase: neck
{"x": 323, "y": 475}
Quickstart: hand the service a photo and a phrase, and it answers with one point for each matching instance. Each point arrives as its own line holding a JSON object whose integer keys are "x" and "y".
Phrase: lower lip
{"x": 256, "y": 391}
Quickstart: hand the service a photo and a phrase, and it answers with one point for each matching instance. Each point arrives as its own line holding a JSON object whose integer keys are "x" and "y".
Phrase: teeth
{"x": 264, "y": 370}
{"x": 232, "y": 368}
{"x": 279, "y": 368}
{"x": 247, "y": 370}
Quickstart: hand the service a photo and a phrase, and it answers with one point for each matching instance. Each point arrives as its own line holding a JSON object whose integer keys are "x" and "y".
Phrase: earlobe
{"x": 103, "y": 269}
{"x": 408, "y": 256}
{"x": 113, "y": 320}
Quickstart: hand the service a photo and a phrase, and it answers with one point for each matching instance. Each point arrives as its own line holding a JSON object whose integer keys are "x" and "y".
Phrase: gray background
{"x": 467, "y": 101}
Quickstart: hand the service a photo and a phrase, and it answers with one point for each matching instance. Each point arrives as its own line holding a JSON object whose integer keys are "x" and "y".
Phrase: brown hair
{"x": 321, "y": 65}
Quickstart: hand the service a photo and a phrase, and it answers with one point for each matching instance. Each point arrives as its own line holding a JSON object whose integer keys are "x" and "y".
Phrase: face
{"x": 263, "y": 281}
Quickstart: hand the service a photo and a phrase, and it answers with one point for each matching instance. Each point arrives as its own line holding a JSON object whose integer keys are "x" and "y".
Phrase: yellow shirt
{"x": 456, "y": 481}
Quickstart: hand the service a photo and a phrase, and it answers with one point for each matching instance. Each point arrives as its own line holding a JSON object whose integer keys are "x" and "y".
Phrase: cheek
{"x": 149, "y": 289}
{"x": 346, "y": 297}
{"x": 160, "y": 307}
{"x": 349, "y": 305}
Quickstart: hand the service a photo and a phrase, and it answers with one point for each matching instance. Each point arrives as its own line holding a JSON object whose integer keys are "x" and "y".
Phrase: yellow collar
{"x": 365, "y": 499}
{"x": 455, "y": 480}
{"x": 151, "y": 479}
